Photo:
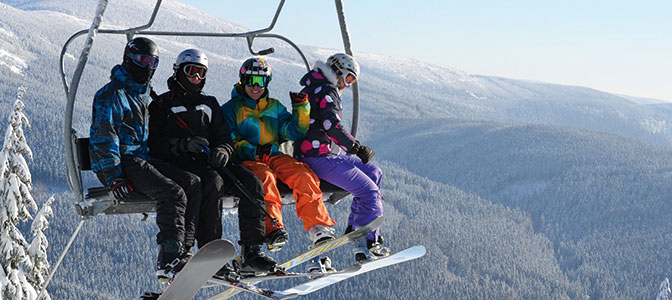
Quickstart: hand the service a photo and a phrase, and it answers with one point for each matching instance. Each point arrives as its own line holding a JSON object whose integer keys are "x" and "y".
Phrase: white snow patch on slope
{"x": 15, "y": 63}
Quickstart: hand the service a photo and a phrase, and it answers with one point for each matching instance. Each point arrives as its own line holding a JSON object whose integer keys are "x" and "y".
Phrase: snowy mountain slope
{"x": 596, "y": 197}
{"x": 385, "y": 89}
{"x": 507, "y": 210}
{"x": 33, "y": 32}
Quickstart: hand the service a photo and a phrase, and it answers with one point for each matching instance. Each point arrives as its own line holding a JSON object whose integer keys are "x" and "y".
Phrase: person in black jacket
{"x": 187, "y": 130}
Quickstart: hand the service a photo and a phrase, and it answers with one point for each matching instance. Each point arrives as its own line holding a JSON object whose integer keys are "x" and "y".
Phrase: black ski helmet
{"x": 140, "y": 45}
{"x": 255, "y": 66}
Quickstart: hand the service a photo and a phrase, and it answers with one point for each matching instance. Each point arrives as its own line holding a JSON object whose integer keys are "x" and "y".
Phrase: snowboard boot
{"x": 368, "y": 250}
{"x": 320, "y": 234}
{"x": 276, "y": 239}
{"x": 253, "y": 261}
{"x": 171, "y": 260}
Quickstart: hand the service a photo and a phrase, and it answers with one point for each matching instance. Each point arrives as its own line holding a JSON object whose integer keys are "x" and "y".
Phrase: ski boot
{"x": 150, "y": 296}
{"x": 228, "y": 273}
{"x": 369, "y": 250}
{"x": 171, "y": 260}
{"x": 320, "y": 234}
{"x": 253, "y": 261}
{"x": 276, "y": 239}
{"x": 321, "y": 265}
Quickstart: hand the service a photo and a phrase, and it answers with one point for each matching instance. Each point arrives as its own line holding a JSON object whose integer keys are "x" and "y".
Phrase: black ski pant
{"x": 177, "y": 192}
{"x": 250, "y": 217}
{"x": 209, "y": 226}
{"x": 217, "y": 185}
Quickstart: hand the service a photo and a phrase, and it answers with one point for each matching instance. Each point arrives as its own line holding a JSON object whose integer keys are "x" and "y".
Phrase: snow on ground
{"x": 15, "y": 63}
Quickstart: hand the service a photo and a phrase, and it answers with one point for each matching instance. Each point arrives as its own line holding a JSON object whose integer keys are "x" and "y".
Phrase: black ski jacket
{"x": 202, "y": 115}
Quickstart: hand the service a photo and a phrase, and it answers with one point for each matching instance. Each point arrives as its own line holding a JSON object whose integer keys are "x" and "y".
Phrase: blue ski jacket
{"x": 119, "y": 125}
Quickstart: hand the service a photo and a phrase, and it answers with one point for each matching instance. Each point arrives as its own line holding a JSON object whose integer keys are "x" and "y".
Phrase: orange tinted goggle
{"x": 192, "y": 70}
{"x": 350, "y": 78}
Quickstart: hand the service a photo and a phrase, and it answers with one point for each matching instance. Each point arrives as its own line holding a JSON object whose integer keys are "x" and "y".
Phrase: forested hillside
{"x": 518, "y": 189}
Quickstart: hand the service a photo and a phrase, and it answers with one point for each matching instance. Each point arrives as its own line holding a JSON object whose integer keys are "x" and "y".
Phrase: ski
{"x": 241, "y": 286}
{"x": 308, "y": 255}
{"x": 325, "y": 281}
{"x": 201, "y": 267}
{"x": 218, "y": 279}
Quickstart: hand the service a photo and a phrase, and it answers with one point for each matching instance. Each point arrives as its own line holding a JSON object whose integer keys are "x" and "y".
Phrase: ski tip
{"x": 420, "y": 250}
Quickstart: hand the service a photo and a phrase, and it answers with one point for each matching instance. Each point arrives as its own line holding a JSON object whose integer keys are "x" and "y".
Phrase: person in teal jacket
{"x": 259, "y": 124}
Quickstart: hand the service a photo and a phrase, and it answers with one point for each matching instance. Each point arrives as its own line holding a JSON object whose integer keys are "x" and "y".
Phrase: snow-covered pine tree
{"x": 15, "y": 203}
{"x": 664, "y": 293}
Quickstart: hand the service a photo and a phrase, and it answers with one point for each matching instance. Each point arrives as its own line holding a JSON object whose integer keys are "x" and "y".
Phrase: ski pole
{"x": 242, "y": 189}
{"x": 182, "y": 124}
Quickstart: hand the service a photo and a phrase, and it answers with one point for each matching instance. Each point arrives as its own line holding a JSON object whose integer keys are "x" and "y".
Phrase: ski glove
{"x": 121, "y": 189}
{"x": 219, "y": 156}
{"x": 264, "y": 152}
{"x": 298, "y": 97}
{"x": 191, "y": 145}
{"x": 363, "y": 152}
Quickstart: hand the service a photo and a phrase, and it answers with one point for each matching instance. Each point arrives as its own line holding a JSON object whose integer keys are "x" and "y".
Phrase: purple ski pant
{"x": 360, "y": 179}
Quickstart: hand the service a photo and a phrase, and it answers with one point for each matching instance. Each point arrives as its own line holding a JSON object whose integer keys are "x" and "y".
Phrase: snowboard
{"x": 201, "y": 267}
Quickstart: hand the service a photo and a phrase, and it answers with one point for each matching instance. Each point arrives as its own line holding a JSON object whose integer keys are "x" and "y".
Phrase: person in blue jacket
{"x": 120, "y": 155}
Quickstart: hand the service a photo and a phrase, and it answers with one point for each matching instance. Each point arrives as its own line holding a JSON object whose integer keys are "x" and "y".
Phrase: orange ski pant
{"x": 304, "y": 183}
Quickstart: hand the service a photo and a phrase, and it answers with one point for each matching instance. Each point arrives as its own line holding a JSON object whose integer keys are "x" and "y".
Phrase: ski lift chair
{"x": 97, "y": 200}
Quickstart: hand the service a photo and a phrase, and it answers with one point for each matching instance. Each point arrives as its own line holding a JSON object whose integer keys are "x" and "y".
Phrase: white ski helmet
{"x": 190, "y": 63}
{"x": 343, "y": 64}
{"x": 193, "y": 56}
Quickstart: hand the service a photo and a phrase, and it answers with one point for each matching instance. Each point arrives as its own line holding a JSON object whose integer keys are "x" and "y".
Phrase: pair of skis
{"x": 323, "y": 279}
{"x": 306, "y": 256}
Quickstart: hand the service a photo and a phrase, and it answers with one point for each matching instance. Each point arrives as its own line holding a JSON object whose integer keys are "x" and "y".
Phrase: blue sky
{"x": 616, "y": 46}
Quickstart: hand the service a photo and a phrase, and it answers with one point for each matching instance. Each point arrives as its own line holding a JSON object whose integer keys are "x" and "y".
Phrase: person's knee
{"x": 195, "y": 181}
{"x": 376, "y": 173}
{"x": 251, "y": 181}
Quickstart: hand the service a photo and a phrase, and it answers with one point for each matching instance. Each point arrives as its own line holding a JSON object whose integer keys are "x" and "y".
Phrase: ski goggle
{"x": 193, "y": 70}
{"x": 253, "y": 80}
{"x": 145, "y": 60}
{"x": 350, "y": 78}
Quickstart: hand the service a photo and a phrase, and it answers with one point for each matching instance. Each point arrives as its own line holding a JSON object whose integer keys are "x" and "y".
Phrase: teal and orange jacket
{"x": 263, "y": 122}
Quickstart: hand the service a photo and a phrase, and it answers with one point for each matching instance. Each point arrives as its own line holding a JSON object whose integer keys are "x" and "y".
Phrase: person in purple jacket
{"x": 324, "y": 85}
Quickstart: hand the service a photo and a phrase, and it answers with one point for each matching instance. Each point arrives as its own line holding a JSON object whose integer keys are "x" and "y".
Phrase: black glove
{"x": 193, "y": 145}
{"x": 264, "y": 152}
{"x": 363, "y": 152}
{"x": 121, "y": 189}
{"x": 219, "y": 157}
{"x": 298, "y": 97}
